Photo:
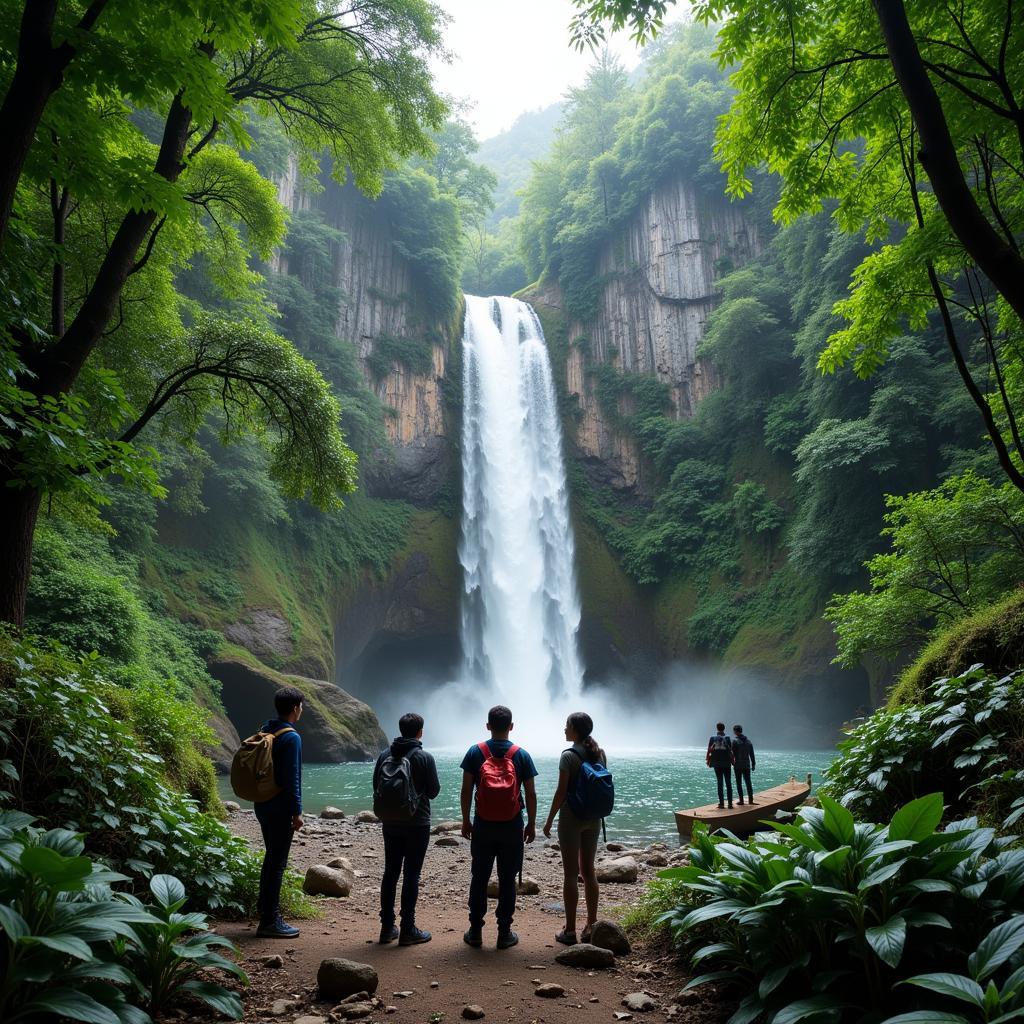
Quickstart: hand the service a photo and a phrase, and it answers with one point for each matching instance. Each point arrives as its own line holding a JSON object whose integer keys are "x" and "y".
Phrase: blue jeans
{"x": 276, "y": 824}
{"x": 500, "y": 841}
{"x": 405, "y": 848}
{"x": 723, "y": 773}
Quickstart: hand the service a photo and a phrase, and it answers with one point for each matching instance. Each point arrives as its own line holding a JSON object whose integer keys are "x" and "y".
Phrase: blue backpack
{"x": 594, "y": 795}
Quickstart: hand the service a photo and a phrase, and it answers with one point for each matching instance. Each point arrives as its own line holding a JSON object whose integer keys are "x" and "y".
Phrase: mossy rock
{"x": 993, "y": 637}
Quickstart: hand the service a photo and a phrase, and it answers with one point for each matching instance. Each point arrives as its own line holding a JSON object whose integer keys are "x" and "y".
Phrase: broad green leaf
{"x": 221, "y": 999}
{"x": 927, "y": 1017}
{"x": 918, "y": 819}
{"x": 883, "y": 874}
{"x": 771, "y": 981}
{"x": 956, "y": 986}
{"x": 838, "y": 820}
{"x": 71, "y": 1004}
{"x": 64, "y": 873}
{"x": 69, "y": 944}
{"x": 888, "y": 939}
{"x": 12, "y": 922}
{"x": 167, "y": 890}
{"x": 996, "y": 948}
{"x": 812, "y": 1007}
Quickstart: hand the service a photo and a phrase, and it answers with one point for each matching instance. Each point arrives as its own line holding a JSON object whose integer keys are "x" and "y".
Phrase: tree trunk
{"x": 18, "y": 513}
{"x": 985, "y": 246}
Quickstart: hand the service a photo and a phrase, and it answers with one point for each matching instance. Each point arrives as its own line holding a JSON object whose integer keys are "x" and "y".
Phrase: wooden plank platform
{"x": 787, "y": 797}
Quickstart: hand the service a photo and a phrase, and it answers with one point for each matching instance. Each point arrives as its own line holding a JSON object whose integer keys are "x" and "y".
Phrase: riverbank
{"x": 432, "y": 983}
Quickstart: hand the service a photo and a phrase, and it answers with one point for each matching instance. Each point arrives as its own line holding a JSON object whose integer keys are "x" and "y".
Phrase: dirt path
{"x": 445, "y": 975}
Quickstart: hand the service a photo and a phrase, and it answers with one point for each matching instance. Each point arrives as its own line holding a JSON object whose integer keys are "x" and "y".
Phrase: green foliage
{"x": 966, "y": 738}
{"x": 415, "y": 354}
{"x": 822, "y": 919}
{"x": 173, "y": 958}
{"x": 954, "y": 550}
{"x": 81, "y": 769}
{"x": 76, "y": 949}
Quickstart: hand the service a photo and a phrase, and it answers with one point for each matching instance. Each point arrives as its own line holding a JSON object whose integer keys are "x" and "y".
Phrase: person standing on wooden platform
{"x": 744, "y": 763}
{"x": 720, "y": 758}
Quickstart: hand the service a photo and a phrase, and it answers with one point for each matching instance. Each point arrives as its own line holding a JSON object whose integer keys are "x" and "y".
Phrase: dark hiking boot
{"x": 387, "y": 934}
{"x": 473, "y": 936}
{"x": 413, "y": 937}
{"x": 721, "y": 806}
{"x": 507, "y": 939}
{"x": 277, "y": 929}
{"x": 739, "y": 802}
{"x": 730, "y": 805}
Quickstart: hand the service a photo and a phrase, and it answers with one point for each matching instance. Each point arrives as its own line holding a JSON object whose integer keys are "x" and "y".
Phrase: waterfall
{"x": 520, "y": 609}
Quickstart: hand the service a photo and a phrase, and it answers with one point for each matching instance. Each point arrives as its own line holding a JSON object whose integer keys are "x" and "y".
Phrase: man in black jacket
{"x": 744, "y": 762}
{"x": 406, "y": 838}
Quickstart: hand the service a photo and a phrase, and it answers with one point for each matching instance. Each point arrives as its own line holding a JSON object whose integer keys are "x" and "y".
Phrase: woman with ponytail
{"x": 577, "y": 837}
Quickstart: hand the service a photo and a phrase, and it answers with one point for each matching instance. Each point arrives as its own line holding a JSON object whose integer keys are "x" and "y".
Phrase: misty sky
{"x": 513, "y": 55}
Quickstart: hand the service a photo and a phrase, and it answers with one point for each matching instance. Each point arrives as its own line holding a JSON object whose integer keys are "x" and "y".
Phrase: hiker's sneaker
{"x": 739, "y": 802}
{"x": 507, "y": 940}
{"x": 473, "y": 937}
{"x": 413, "y": 937}
{"x": 387, "y": 935}
{"x": 730, "y": 805}
{"x": 278, "y": 929}
{"x": 721, "y": 806}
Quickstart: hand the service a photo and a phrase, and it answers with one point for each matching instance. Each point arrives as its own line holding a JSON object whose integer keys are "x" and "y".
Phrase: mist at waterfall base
{"x": 520, "y": 611}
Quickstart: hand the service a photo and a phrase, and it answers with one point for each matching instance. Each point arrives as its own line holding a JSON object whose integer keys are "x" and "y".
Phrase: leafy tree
{"x": 853, "y": 104}
{"x": 953, "y": 550}
{"x": 110, "y": 115}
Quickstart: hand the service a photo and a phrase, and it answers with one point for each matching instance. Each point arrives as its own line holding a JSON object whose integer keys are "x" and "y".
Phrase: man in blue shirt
{"x": 500, "y": 772}
{"x": 280, "y": 817}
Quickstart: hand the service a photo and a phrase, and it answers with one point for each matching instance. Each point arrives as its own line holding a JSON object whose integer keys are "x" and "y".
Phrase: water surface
{"x": 649, "y": 785}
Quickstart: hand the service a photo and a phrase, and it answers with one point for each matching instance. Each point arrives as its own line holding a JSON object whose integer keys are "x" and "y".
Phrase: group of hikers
{"x": 498, "y": 773}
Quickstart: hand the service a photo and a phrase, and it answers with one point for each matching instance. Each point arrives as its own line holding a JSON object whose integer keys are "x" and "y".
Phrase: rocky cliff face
{"x": 380, "y": 300}
{"x": 658, "y": 289}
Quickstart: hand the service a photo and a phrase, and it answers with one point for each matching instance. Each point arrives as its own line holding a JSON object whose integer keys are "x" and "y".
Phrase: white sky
{"x": 513, "y": 55}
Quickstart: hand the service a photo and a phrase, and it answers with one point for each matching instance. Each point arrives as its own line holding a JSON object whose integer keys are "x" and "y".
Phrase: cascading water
{"x": 521, "y": 609}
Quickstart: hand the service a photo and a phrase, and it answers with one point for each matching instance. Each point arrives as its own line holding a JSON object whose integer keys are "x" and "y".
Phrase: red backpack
{"x": 497, "y": 785}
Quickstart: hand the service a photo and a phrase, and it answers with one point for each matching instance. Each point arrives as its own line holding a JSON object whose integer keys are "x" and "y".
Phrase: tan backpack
{"x": 252, "y": 767}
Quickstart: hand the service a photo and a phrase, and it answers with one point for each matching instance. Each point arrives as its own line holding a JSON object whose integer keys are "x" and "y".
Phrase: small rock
{"x": 657, "y": 860}
{"x": 639, "y": 1002}
{"x": 404, "y": 994}
{"x": 366, "y": 818}
{"x": 391, "y": 1009}
{"x": 687, "y": 995}
{"x": 549, "y": 990}
{"x": 343, "y": 863}
{"x": 472, "y": 1012}
{"x": 657, "y": 846}
{"x": 231, "y": 807}
{"x": 527, "y": 887}
{"x": 447, "y": 841}
{"x": 446, "y": 826}
{"x": 309, "y": 1018}
{"x": 623, "y": 869}
{"x": 435, "y": 984}
{"x": 332, "y": 814}
{"x": 279, "y": 1007}
{"x": 586, "y": 954}
{"x": 615, "y": 847}
{"x": 356, "y": 997}
{"x": 609, "y": 935}
{"x": 593, "y": 999}
{"x": 273, "y": 962}
{"x": 322, "y": 880}
{"x": 338, "y": 978}
{"x": 620, "y": 1015}
{"x": 553, "y": 845}
{"x": 354, "y": 1011}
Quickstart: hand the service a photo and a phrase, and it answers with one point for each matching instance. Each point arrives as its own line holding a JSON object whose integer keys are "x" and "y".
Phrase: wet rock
{"x": 549, "y": 990}
{"x": 338, "y": 978}
{"x": 322, "y": 880}
{"x": 332, "y": 814}
{"x": 366, "y": 818}
{"x": 446, "y": 826}
{"x": 639, "y": 1002}
{"x": 527, "y": 887}
{"x": 623, "y": 869}
{"x": 447, "y": 841}
{"x": 473, "y": 1012}
{"x": 615, "y": 847}
{"x": 586, "y": 954}
{"x": 232, "y": 807}
{"x": 609, "y": 935}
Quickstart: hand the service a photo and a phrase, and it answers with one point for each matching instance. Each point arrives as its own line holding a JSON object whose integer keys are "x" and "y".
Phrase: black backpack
{"x": 721, "y": 748}
{"x": 395, "y": 798}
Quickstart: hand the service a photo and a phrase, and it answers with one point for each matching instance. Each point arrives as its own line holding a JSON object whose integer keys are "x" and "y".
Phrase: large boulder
{"x": 623, "y": 869}
{"x": 338, "y": 978}
{"x": 335, "y": 726}
{"x": 609, "y": 935}
{"x": 586, "y": 954}
{"x": 322, "y": 880}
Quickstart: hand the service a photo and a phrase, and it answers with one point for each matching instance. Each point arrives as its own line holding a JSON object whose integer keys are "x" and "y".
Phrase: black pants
{"x": 500, "y": 841}
{"x": 741, "y": 775}
{"x": 276, "y": 824}
{"x": 405, "y": 848}
{"x": 723, "y": 772}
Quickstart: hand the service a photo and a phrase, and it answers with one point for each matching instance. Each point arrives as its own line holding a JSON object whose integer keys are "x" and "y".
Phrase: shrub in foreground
{"x": 831, "y": 919}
